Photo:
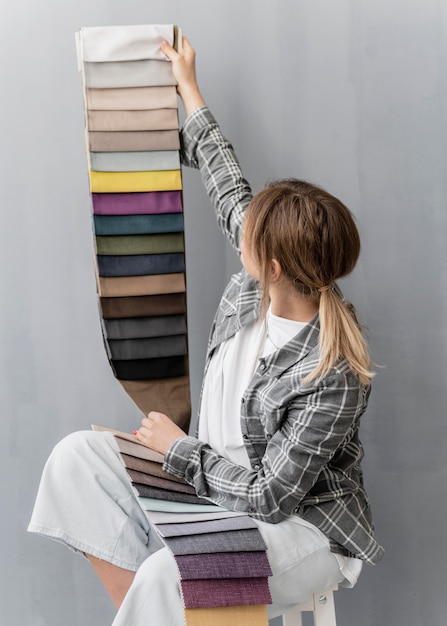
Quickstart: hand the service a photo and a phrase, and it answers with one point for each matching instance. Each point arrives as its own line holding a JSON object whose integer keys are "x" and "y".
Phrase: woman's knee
{"x": 159, "y": 573}
{"x": 80, "y": 446}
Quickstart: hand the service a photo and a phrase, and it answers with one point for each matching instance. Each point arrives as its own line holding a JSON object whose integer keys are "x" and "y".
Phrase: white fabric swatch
{"x": 146, "y": 73}
{"x": 143, "y": 161}
{"x": 125, "y": 43}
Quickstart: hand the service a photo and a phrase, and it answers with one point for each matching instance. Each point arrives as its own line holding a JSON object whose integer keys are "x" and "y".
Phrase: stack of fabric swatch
{"x": 220, "y": 554}
{"x": 132, "y": 139}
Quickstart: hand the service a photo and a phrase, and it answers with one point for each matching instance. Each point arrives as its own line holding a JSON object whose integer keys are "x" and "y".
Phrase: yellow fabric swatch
{"x": 120, "y": 182}
{"x": 254, "y": 615}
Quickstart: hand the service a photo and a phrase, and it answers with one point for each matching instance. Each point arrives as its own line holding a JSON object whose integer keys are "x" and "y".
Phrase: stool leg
{"x": 292, "y": 617}
{"x": 324, "y": 609}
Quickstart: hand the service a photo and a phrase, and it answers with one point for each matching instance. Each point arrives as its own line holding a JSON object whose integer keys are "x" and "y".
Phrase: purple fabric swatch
{"x": 212, "y": 526}
{"x": 137, "y": 203}
{"x": 229, "y": 592}
{"x": 223, "y": 565}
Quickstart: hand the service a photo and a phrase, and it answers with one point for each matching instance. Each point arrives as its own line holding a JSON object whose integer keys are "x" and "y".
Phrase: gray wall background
{"x": 349, "y": 94}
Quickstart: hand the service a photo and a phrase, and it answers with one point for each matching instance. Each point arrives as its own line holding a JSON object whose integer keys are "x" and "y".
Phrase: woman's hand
{"x": 184, "y": 70}
{"x": 158, "y": 431}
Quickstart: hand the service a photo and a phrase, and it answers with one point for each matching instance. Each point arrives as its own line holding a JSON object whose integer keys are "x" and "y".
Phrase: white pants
{"x": 86, "y": 501}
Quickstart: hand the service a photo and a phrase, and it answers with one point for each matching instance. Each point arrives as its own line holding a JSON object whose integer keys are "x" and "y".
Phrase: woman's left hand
{"x": 158, "y": 432}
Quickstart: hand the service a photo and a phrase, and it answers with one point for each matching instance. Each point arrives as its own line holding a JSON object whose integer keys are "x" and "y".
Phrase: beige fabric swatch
{"x": 133, "y": 141}
{"x": 140, "y": 285}
{"x": 151, "y": 119}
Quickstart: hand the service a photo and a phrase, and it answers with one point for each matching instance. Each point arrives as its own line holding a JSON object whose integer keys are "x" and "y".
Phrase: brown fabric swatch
{"x": 161, "y": 483}
{"x": 170, "y": 396}
{"x": 148, "y": 467}
{"x": 143, "y": 306}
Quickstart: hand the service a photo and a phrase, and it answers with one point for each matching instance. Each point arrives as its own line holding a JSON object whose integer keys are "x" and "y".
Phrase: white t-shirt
{"x": 229, "y": 374}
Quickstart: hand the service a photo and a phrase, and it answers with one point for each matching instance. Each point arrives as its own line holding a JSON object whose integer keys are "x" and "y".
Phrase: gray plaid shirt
{"x": 302, "y": 439}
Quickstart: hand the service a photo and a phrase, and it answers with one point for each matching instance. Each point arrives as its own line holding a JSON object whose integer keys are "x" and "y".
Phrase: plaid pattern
{"x": 302, "y": 440}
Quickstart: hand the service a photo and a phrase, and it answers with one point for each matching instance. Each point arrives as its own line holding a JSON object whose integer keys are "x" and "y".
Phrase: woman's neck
{"x": 287, "y": 302}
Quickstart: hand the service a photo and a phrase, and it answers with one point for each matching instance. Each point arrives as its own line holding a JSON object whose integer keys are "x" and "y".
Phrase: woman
{"x": 286, "y": 381}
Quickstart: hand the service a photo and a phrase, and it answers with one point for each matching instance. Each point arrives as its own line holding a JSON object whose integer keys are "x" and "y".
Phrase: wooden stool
{"x": 320, "y": 604}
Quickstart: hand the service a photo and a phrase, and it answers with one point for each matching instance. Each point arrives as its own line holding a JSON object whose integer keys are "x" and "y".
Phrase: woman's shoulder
{"x": 242, "y": 289}
{"x": 339, "y": 378}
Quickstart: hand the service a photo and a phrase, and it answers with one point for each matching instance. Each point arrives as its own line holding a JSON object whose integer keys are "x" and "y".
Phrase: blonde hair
{"x": 314, "y": 238}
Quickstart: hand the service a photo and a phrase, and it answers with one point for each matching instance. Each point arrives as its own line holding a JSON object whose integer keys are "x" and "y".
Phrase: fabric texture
{"x": 161, "y": 243}
{"x": 168, "y": 495}
{"x": 147, "y": 347}
{"x": 134, "y": 161}
{"x": 223, "y": 565}
{"x": 231, "y": 541}
{"x": 207, "y": 526}
{"x": 143, "y": 306}
{"x": 171, "y": 506}
{"x": 228, "y": 592}
{"x": 141, "y": 73}
{"x": 138, "y": 224}
{"x": 141, "y": 285}
{"x": 150, "y": 468}
{"x": 153, "y": 202}
{"x": 222, "y": 616}
{"x": 117, "y": 182}
{"x": 134, "y": 327}
{"x": 147, "y": 369}
{"x": 131, "y": 99}
{"x": 140, "y": 264}
{"x": 152, "y": 119}
{"x": 133, "y": 141}
{"x": 158, "y": 482}
{"x": 166, "y": 395}
{"x": 125, "y": 43}
{"x": 161, "y": 517}
{"x": 129, "y": 444}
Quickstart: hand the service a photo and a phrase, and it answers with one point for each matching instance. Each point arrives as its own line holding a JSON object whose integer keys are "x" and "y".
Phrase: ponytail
{"x": 340, "y": 336}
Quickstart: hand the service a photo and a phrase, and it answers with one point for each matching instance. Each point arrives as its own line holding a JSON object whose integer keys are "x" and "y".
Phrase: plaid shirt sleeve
{"x": 204, "y": 147}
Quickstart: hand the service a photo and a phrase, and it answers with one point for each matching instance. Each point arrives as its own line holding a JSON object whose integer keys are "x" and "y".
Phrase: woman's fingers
{"x": 169, "y": 51}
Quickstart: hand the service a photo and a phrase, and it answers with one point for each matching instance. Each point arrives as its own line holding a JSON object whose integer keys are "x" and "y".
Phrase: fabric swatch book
{"x": 135, "y": 180}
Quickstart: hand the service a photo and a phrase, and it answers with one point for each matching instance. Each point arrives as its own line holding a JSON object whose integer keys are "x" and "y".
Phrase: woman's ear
{"x": 275, "y": 270}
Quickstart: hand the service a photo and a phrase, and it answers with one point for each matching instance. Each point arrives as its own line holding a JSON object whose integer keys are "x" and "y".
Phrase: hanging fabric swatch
{"x": 132, "y": 142}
